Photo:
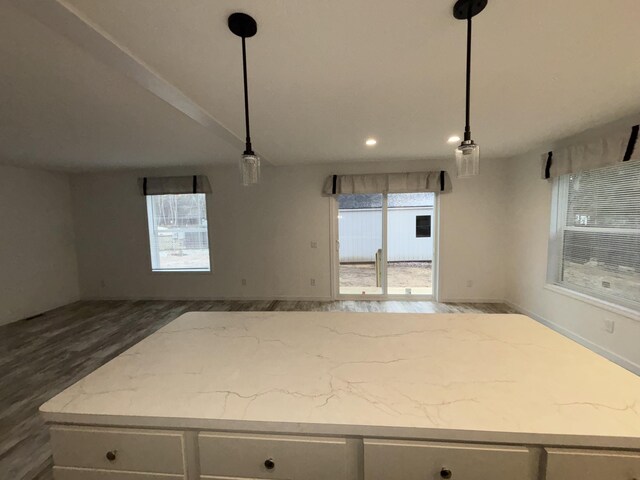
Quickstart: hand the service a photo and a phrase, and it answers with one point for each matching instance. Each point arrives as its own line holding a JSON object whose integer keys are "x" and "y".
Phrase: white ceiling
{"x": 324, "y": 75}
{"x": 61, "y": 108}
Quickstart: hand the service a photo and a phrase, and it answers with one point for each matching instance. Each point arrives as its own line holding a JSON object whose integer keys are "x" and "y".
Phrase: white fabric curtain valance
{"x": 602, "y": 151}
{"x": 412, "y": 182}
{"x": 174, "y": 185}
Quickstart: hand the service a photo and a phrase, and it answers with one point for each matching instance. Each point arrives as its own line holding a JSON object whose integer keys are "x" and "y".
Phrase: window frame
{"x": 559, "y": 206}
{"x": 150, "y": 228}
{"x": 430, "y": 220}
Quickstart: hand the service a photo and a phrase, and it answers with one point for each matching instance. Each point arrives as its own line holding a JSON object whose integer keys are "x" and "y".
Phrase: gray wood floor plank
{"x": 42, "y": 356}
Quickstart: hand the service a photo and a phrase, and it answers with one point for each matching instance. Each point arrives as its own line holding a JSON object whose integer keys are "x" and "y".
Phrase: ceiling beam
{"x": 68, "y": 22}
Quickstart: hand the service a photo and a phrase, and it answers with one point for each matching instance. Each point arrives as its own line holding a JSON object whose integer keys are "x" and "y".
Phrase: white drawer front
{"x": 396, "y": 460}
{"x": 64, "y": 473}
{"x": 135, "y": 450}
{"x": 294, "y": 458}
{"x": 566, "y": 464}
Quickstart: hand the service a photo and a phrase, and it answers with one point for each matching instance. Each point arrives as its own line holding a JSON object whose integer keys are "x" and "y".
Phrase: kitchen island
{"x": 345, "y": 396}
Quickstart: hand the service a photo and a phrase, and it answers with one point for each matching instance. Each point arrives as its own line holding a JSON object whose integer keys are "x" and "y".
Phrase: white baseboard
{"x": 609, "y": 355}
{"x": 206, "y": 299}
{"x": 282, "y": 298}
{"x": 471, "y": 300}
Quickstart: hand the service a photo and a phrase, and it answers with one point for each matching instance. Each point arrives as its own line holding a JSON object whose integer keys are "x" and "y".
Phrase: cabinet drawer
{"x": 65, "y": 473}
{"x": 396, "y": 460}
{"x": 566, "y": 464}
{"x": 135, "y": 450}
{"x": 294, "y": 458}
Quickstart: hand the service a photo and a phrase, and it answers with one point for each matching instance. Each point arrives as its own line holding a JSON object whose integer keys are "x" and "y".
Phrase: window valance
{"x": 411, "y": 182}
{"x": 174, "y": 185}
{"x": 602, "y": 151}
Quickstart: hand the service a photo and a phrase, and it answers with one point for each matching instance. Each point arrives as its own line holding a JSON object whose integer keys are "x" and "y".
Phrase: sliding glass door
{"x": 386, "y": 244}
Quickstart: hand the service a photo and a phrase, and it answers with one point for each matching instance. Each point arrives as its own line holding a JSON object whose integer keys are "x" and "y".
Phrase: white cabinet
{"x": 569, "y": 464}
{"x": 272, "y": 456}
{"x": 96, "y": 453}
{"x": 146, "y": 451}
{"x": 404, "y": 460}
{"x": 64, "y": 473}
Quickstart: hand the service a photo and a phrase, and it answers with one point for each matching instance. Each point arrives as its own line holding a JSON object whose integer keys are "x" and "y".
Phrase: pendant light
{"x": 244, "y": 26}
{"x": 468, "y": 153}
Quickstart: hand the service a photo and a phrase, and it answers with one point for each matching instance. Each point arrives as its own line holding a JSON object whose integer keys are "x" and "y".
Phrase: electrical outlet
{"x": 609, "y": 325}
{"x": 469, "y": 283}
{"x": 313, "y": 282}
{"x": 314, "y": 244}
{"x": 244, "y": 282}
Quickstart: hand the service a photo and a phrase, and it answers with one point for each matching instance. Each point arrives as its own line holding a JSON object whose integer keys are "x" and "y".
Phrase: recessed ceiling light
{"x": 371, "y": 142}
{"x": 453, "y": 139}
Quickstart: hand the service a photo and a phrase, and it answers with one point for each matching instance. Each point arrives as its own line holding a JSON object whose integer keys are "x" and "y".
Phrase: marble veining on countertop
{"x": 363, "y": 373}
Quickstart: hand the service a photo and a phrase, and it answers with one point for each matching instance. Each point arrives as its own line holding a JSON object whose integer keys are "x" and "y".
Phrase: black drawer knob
{"x": 445, "y": 473}
{"x": 269, "y": 464}
{"x": 111, "y": 455}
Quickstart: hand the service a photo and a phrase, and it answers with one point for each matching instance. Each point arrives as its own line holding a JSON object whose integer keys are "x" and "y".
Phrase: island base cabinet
{"x": 408, "y": 460}
{"x": 113, "y": 449}
{"x": 569, "y": 464}
{"x": 272, "y": 457}
{"x": 64, "y": 473}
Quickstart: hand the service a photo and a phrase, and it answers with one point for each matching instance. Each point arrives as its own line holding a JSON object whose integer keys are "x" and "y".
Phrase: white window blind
{"x": 595, "y": 241}
{"x": 178, "y": 233}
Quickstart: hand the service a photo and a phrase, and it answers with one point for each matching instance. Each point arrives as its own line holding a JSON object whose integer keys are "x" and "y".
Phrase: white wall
{"x": 361, "y": 235}
{"x": 38, "y": 267}
{"x": 529, "y": 210}
{"x": 264, "y": 234}
{"x": 403, "y": 244}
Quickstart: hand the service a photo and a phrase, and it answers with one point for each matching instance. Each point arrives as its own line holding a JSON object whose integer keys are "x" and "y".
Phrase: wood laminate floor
{"x": 42, "y": 356}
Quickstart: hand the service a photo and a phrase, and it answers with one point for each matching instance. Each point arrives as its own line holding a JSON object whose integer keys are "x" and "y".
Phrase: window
{"x": 178, "y": 234}
{"x": 595, "y": 238}
{"x": 423, "y": 226}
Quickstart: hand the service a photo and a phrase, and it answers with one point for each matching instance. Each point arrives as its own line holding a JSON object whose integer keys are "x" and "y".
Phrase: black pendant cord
{"x": 466, "y": 10}
{"x": 248, "y": 149}
{"x": 467, "y": 127}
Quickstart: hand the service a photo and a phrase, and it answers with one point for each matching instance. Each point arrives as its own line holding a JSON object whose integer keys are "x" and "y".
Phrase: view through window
{"x": 178, "y": 234}
{"x": 596, "y": 243}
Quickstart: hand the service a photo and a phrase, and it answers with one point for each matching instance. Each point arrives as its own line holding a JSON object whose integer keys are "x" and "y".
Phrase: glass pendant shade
{"x": 250, "y": 169}
{"x": 468, "y": 159}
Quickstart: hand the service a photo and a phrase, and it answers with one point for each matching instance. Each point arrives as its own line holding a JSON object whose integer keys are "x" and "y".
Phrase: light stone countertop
{"x": 492, "y": 378}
